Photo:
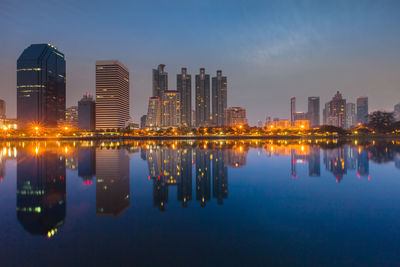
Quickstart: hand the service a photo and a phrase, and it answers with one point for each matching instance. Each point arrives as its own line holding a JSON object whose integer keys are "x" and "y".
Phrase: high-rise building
{"x": 235, "y": 116}
{"x": 2, "y": 109}
{"x": 112, "y": 95}
{"x": 160, "y": 81}
{"x": 202, "y": 98}
{"x": 313, "y": 111}
{"x": 219, "y": 99}
{"x": 292, "y": 109}
{"x": 350, "y": 114}
{"x": 171, "y": 109}
{"x": 184, "y": 87}
{"x": 336, "y": 111}
{"x": 362, "y": 110}
{"x": 143, "y": 121}
{"x": 396, "y": 112}
{"x": 153, "y": 119}
{"x": 87, "y": 113}
{"x": 71, "y": 116}
{"x": 40, "y": 86}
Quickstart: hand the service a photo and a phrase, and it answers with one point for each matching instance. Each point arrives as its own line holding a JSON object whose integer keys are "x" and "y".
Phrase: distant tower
{"x": 219, "y": 99}
{"x": 87, "y": 113}
{"x": 112, "y": 95}
{"x": 313, "y": 111}
{"x": 40, "y": 85}
{"x": 292, "y": 109}
{"x": 362, "y": 110}
{"x": 2, "y": 109}
{"x": 170, "y": 109}
{"x": 202, "y": 98}
{"x": 184, "y": 87}
{"x": 336, "y": 111}
{"x": 153, "y": 119}
{"x": 350, "y": 114}
{"x": 160, "y": 81}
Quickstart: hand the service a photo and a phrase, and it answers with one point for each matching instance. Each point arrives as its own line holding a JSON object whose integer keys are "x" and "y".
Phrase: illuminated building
{"x": 112, "y": 95}
{"x": 87, "y": 113}
{"x": 335, "y": 111}
{"x": 41, "y": 191}
{"x": 143, "y": 121}
{"x": 203, "y": 176}
{"x": 278, "y": 124}
{"x": 313, "y": 111}
{"x": 292, "y": 109}
{"x": 153, "y": 119}
{"x": 40, "y": 86}
{"x": 202, "y": 99}
{"x": 171, "y": 109}
{"x": 362, "y": 110}
{"x": 160, "y": 81}
{"x": 71, "y": 116}
{"x": 2, "y": 109}
{"x": 302, "y": 124}
{"x": 350, "y": 115}
{"x": 112, "y": 182}
{"x": 219, "y": 99}
{"x": 220, "y": 176}
{"x": 184, "y": 87}
{"x": 235, "y": 116}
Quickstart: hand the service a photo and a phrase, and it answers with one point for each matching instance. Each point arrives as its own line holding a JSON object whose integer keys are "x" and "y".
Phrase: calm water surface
{"x": 200, "y": 203}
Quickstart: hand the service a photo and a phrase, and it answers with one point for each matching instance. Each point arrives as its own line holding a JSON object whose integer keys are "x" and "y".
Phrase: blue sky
{"x": 270, "y": 50}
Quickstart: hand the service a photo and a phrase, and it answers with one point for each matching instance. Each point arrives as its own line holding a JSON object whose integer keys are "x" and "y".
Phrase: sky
{"x": 269, "y": 50}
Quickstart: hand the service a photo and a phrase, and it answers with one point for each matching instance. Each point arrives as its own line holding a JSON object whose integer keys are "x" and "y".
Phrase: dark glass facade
{"x": 219, "y": 99}
{"x": 184, "y": 87}
{"x": 202, "y": 99}
{"x": 313, "y": 111}
{"x": 87, "y": 113}
{"x": 40, "y": 85}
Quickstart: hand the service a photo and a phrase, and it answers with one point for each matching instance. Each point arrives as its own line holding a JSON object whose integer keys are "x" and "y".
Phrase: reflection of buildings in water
{"x": 220, "y": 176}
{"x": 335, "y": 162}
{"x": 112, "y": 181}
{"x": 87, "y": 164}
{"x": 203, "y": 180}
{"x": 314, "y": 162}
{"x": 351, "y": 157}
{"x": 363, "y": 162}
{"x": 71, "y": 160}
{"x": 302, "y": 154}
{"x": 237, "y": 158}
{"x": 143, "y": 153}
{"x": 185, "y": 186}
{"x": 396, "y": 159}
{"x": 6, "y": 153}
{"x": 41, "y": 191}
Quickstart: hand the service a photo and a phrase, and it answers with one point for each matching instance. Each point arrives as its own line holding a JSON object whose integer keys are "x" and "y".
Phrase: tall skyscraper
{"x": 184, "y": 87}
{"x": 40, "y": 85}
{"x": 350, "y": 114}
{"x": 153, "y": 119}
{"x": 87, "y": 113}
{"x": 336, "y": 111}
{"x": 362, "y": 110}
{"x": 202, "y": 98}
{"x": 160, "y": 81}
{"x": 171, "y": 109}
{"x": 292, "y": 109}
{"x": 112, "y": 95}
{"x": 219, "y": 99}
{"x": 396, "y": 112}
{"x": 235, "y": 116}
{"x": 2, "y": 109}
{"x": 313, "y": 111}
{"x": 143, "y": 121}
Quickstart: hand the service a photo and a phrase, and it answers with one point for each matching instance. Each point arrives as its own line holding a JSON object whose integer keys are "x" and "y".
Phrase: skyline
{"x": 269, "y": 51}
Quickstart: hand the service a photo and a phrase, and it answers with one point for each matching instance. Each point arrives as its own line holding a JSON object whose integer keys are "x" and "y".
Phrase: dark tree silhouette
{"x": 381, "y": 122}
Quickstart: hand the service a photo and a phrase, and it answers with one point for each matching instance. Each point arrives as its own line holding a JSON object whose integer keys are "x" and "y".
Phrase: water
{"x": 200, "y": 203}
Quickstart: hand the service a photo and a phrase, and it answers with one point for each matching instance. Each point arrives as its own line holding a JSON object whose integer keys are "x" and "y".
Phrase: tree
{"x": 381, "y": 122}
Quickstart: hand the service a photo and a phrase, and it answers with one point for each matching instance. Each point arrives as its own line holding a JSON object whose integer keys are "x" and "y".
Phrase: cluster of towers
{"x": 173, "y": 108}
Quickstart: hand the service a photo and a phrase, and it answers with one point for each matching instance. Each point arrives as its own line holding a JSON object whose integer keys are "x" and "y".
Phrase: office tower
{"x": 112, "y": 95}
{"x": 219, "y": 99}
{"x": 220, "y": 176}
{"x": 185, "y": 186}
{"x": 335, "y": 111}
{"x": 40, "y": 86}
{"x": 313, "y": 111}
{"x": 292, "y": 109}
{"x": 160, "y": 81}
{"x": 171, "y": 109}
{"x": 71, "y": 116}
{"x": 235, "y": 116}
{"x": 184, "y": 87}
{"x": 2, "y": 109}
{"x": 41, "y": 191}
{"x": 362, "y": 110}
{"x": 143, "y": 121}
{"x": 112, "y": 182}
{"x": 350, "y": 114}
{"x": 203, "y": 173}
{"x": 202, "y": 99}
{"x": 153, "y": 119}
{"x": 87, "y": 113}
{"x": 87, "y": 164}
{"x": 396, "y": 113}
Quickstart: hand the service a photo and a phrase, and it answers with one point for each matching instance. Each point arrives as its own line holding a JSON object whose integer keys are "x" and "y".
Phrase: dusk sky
{"x": 269, "y": 50}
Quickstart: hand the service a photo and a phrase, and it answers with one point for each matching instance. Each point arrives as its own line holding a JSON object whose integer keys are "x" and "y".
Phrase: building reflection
{"x": 336, "y": 162}
{"x": 203, "y": 176}
{"x": 41, "y": 191}
{"x": 87, "y": 164}
{"x": 220, "y": 175}
{"x": 112, "y": 181}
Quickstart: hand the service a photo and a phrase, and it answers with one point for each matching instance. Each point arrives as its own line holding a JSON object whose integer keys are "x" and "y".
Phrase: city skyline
{"x": 286, "y": 58}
